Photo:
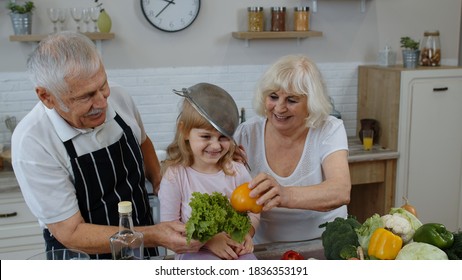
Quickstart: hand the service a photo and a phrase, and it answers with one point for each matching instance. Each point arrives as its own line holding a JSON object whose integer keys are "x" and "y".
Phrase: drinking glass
{"x": 86, "y": 18}
{"x": 368, "y": 136}
{"x": 94, "y": 15}
{"x": 53, "y": 15}
{"x": 62, "y": 17}
{"x": 77, "y": 14}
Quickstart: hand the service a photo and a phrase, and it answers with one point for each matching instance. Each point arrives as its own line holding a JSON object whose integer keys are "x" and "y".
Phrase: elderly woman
{"x": 297, "y": 152}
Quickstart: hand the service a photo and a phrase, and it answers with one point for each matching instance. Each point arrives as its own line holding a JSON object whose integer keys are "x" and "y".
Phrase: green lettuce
{"x": 366, "y": 230}
{"x": 212, "y": 214}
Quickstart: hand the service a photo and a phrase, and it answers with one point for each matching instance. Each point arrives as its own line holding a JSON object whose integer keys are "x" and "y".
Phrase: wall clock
{"x": 170, "y": 15}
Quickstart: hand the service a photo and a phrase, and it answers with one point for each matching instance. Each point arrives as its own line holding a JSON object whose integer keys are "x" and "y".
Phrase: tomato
{"x": 242, "y": 202}
{"x": 292, "y": 255}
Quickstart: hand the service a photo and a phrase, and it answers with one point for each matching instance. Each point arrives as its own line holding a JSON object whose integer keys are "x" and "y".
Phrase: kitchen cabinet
{"x": 373, "y": 175}
{"x": 419, "y": 111}
{"x": 20, "y": 234}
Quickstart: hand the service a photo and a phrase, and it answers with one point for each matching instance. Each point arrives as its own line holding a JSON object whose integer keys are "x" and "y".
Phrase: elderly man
{"x": 82, "y": 149}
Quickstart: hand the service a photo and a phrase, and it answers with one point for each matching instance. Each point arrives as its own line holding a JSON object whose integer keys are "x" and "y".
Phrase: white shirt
{"x": 283, "y": 224}
{"x": 42, "y": 165}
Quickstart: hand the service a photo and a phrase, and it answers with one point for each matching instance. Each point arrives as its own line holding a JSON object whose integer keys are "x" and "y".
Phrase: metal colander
{"x": 215, "y": 105}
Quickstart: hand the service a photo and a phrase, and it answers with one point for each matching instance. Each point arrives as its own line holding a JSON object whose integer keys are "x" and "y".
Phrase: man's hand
{"x": 172, "y": 235}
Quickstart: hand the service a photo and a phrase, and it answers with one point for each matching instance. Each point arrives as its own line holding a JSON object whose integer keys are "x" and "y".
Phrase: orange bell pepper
{"x": 384, "y": 244}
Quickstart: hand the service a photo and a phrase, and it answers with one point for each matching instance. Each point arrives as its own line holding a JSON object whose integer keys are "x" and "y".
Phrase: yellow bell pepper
{"x": 384, "y": 244}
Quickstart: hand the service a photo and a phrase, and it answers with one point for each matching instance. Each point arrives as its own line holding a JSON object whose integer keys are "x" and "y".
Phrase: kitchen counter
{"x": 373, "y": 179}
{"x": 8, "y": 182}
{"x": 309, "y": 249}
{"x": 358, "y": 154}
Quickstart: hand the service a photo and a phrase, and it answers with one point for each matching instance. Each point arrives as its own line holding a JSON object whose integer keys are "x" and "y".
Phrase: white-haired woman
{"x": 298, "y": 153}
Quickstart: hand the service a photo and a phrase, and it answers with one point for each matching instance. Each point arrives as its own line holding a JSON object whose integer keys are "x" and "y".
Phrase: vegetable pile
{"x": 212, "y": 214}
{"x": 398, "y": 235}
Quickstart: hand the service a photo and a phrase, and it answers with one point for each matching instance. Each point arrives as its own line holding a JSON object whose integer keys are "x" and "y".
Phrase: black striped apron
{"x": 105, "y": 177}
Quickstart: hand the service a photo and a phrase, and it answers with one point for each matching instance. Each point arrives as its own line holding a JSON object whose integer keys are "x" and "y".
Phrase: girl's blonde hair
{"x": 179, "y": 151}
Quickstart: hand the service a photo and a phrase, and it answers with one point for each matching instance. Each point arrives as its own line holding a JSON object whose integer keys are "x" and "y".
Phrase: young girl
{"x": 200, "y": 160}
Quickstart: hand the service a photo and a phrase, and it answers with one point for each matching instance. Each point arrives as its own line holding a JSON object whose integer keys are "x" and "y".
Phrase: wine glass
{"x": 94, "y": 15}
{"x": 86, "y": 18}
{"x": 53, "y": 15}
{"x": 77, "y": 14}
{"x": 62, "y": 17}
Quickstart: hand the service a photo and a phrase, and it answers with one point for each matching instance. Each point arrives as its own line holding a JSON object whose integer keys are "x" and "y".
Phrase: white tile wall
{"x": 152, "y": 91}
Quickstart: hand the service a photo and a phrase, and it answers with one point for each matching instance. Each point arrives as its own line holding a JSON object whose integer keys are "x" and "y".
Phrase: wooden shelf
{"x": 96, "y": 36}
{"x": 276, "y": 35}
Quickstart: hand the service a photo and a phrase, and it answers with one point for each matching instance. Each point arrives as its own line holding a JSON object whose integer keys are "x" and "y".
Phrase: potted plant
{"x": 21, "y": 16}
{"x": 411, "y": 52}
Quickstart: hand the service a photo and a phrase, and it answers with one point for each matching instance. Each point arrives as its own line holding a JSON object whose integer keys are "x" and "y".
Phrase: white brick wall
{"x": 152, "y": 91}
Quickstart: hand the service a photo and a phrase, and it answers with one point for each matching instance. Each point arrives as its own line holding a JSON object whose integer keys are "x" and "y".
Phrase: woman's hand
{"x": 268, "y": 191}
{"x": 223, "y": 246}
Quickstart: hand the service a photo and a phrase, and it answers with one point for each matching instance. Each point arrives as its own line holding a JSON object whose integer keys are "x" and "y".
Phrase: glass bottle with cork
{"x": 430, "y": 49}
{"x": 126, "y": 244}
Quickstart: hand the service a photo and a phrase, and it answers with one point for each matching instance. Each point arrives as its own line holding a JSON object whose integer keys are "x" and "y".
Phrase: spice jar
{"x": 302, "y": 18}
{"x": 256, "y": 19}
{"x": 430, "y": 49}
{"x": 278, "y": 18}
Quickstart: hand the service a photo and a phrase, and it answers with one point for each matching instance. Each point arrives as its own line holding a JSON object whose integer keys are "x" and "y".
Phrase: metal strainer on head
{"x": 216, "y": 105}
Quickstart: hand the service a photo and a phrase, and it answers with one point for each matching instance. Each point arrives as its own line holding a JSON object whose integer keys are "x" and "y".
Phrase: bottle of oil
{"x": 126, "y": 244}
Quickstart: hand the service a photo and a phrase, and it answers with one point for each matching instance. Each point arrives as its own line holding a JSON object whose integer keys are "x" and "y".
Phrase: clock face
{"x": 170, "y": 15}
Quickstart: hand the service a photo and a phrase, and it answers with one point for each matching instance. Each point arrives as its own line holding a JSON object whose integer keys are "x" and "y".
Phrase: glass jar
{"x": 256, "y": 19}
{"x": 278, "y": 18}
{"x": 430, "y": 49}
{"x": 302, "y": 18}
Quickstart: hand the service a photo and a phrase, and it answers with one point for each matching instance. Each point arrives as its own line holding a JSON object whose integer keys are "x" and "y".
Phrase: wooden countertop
{"x": 358, "y": 154}
{"x": 309, "y": 249}
{"x": 8, "y": 182}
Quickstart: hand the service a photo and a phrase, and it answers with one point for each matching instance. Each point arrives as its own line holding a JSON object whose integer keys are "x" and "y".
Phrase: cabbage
{"x": 365, "y": 231}
{"x": 421, "y": 251}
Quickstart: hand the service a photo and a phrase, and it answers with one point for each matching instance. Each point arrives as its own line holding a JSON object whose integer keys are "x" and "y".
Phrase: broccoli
{"x": 338, "y": 234}
{"x": 455, "y": 251}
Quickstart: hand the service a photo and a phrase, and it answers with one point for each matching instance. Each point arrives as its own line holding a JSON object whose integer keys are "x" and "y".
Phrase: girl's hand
{"x": 223, "y": 246}
{"x": 247, "y": 246}
{"x": 269, "y": 190}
